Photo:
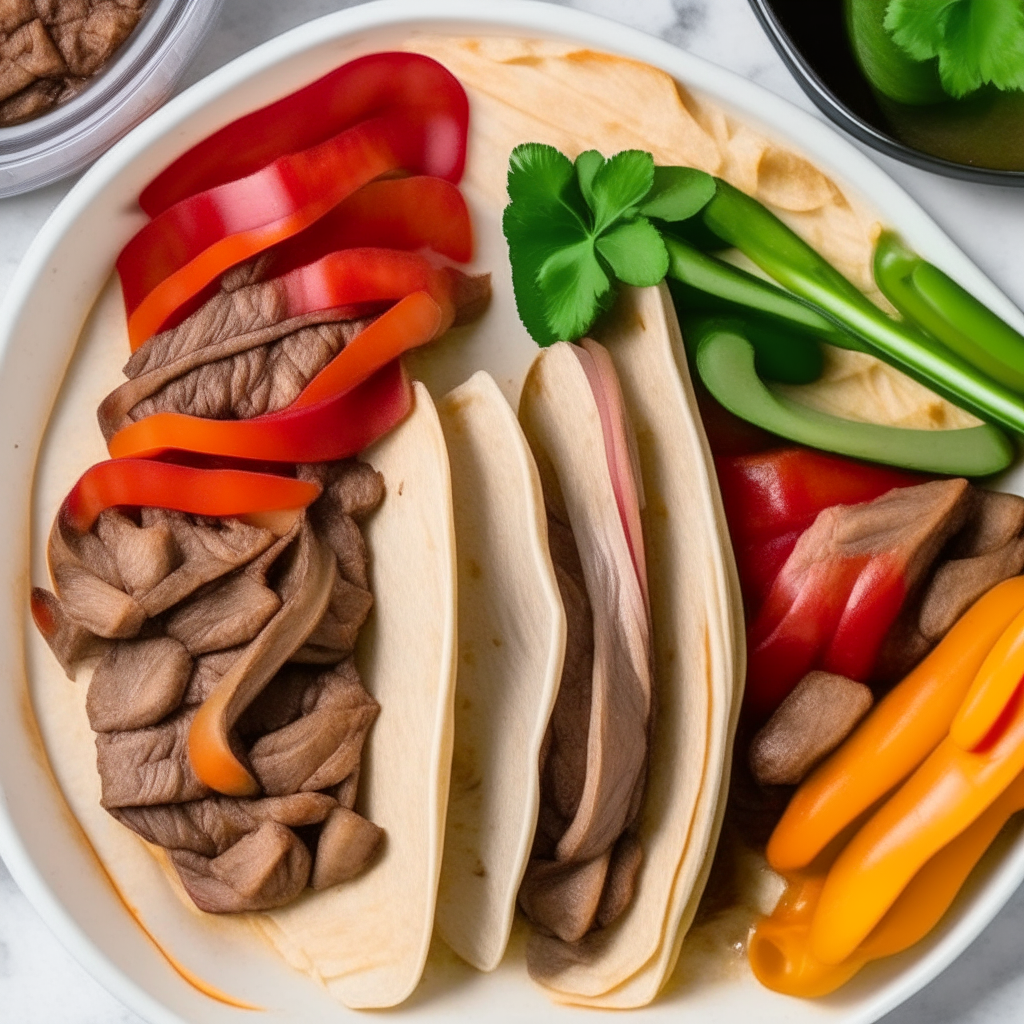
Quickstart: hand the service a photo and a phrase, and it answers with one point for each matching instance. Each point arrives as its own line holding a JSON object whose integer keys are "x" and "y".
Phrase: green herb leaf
{"x": 678, "y": 193}
{"x": 635, "y": 252}
{"x": 574, "y": 231}
{"x": 977, "y": 42}
{"x": 619, "y": 186}
{"x": 576, "y": 289}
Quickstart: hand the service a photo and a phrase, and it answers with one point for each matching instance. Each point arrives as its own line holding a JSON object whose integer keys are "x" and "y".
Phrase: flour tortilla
{"x": 366, "y": 940}
{"x": 511, "y": 645}
{"x": 697, "y": 676}
{"x": 573, "y": 98}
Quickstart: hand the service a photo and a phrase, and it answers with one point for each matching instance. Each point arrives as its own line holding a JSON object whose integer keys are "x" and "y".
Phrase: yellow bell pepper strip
{"x": 945, "y": 796}
{"x": 336, "y": 428}
{"x": 896, "y": 737}
{"x": 992, "y": 691}
{"x": 779, "y": 948}
{"x": 139, "y": 483}
{"x": 414, "y": 321}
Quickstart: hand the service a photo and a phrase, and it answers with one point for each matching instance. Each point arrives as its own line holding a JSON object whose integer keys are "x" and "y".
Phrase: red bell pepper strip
{"x": 336, "y": 428}
{"x": 395, "y": 213}
{"x": 362, "y": 88}
{"x": 189, "y": 245}
{"x": 771, "y": 497}
{"x": 414, "y": 321}
{"x": 356, "y": 277}
{"x": 204, "y": 492}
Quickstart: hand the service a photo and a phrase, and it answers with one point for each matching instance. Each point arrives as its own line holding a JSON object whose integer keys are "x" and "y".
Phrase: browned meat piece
{"x": 995, "y": 520}
{"x": 957, "y": 584}
{"x": 207, "y": 672}
{"x": 323, "y": 746}
{"x": 571, "y": 888}
{"x": 620, "y": 885}
{"x": 14, "y": 14}
{"x": 564, "y": 754}
{"x": 23, "y": 106}
{"x": 143, "y": 555}
{"x": 265, "y": 869}
{"x": 69, "y": 641}
{"x": 903, "y": 648}
{"x": 99, "y": 606}
{"x": 336, "y": 634}
{"x": 137, "y": 683}
{"x": 236, "y": 356}
{"x": 820, "y": 712}
{"x": 472, "y": 295}
{"x": 210, "y": 548}
{"x": 149, "y": 766}
{"x": 26, "y": 55}
{"x": 347, "y": 844}
{"x": 87, "y": 32}
{"x": 563, "y": 898}
{"x": 227, "y": 614}
{"x": 351, "y": 488}
{"x": 209, "y": 827}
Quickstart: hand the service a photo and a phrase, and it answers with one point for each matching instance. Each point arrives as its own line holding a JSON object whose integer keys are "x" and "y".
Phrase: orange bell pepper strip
{"x": 414, "y": 321}
{"x": 779, "y": 948}
{"x": 205, "y": 492}
{"x": 192, "y": 243}
{"x": 945, "y": 796}
{"x": 901, "y": 731}
{"x": 339, "y": 427}
{"x": 993, "y": 689}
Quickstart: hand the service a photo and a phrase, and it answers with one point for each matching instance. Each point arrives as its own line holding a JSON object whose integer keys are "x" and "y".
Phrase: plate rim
{"x": 818, "y": 139}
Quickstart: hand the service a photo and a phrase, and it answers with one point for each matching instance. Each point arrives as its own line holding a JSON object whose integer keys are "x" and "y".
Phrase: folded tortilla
{"x": 511, "y": 645}
{"x": 365, "y": 940}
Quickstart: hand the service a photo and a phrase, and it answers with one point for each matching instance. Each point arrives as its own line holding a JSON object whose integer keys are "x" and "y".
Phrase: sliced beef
{"x": 995, "y": 519}
{"x": 265, "y": 869}
{"x": 822, "y": 710}
{"x": 210, "y": 827}
{"x": 137, "y": 683}
{"x": 958, "y": 583}
{"x": 227, "y": 614}
{"x": 143, "y": 767}
{"x": 336, "y": 634}
{"x": 347, "y": 844}
{"x": 70, "y": 641}
{"x": 235, "y": 357}
{"x": 143, "y": 556}
{"x": 572, "y": 887}
{"x": 50, "y": 48}
{"x": 324, "y": 744}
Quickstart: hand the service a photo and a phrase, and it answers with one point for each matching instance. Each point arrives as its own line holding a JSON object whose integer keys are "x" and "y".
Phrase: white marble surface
{"x": 41, "y": 984}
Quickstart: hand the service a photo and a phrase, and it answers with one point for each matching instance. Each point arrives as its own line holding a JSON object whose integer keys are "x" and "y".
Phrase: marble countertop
{"x": 41, "y": 984}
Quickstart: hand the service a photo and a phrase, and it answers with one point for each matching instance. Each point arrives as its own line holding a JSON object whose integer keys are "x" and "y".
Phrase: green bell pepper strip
{"x": 937, "y": 304}
{"x": 777, "y": 250}
{"x": 724, "y": 283}
{"x": 725, "y": 361}
{"x": 780, "y": 355}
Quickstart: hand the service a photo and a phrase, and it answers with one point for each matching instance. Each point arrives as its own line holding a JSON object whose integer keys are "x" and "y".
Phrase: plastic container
{"x": 137, "y": 79}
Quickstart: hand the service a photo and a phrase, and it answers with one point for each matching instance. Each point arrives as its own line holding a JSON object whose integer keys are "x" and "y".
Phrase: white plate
{"x": 40, "y": 322}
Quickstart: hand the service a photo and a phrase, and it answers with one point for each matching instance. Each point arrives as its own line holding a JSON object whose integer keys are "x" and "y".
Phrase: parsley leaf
{"x": 636, "y": 252}
{"x": 977, "y": 42}
{"x": 678, "y": 193}
{"x": 575, "y": 230}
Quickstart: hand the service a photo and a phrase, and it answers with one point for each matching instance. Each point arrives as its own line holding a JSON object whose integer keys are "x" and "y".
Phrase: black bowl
{"x": 811, "y": 39}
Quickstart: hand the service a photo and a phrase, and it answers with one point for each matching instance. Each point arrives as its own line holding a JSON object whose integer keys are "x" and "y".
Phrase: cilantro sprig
{"x": 576, "y": 229}
{"x": 977, "y": 42}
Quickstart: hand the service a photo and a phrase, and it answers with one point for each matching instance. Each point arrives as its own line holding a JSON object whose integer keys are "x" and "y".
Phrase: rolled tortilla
{"x": 698, "y": 667}
{"x": 511, "y": 645}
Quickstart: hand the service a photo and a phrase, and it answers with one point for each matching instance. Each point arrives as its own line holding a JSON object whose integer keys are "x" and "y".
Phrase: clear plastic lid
{"x": 138, "y": 78}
